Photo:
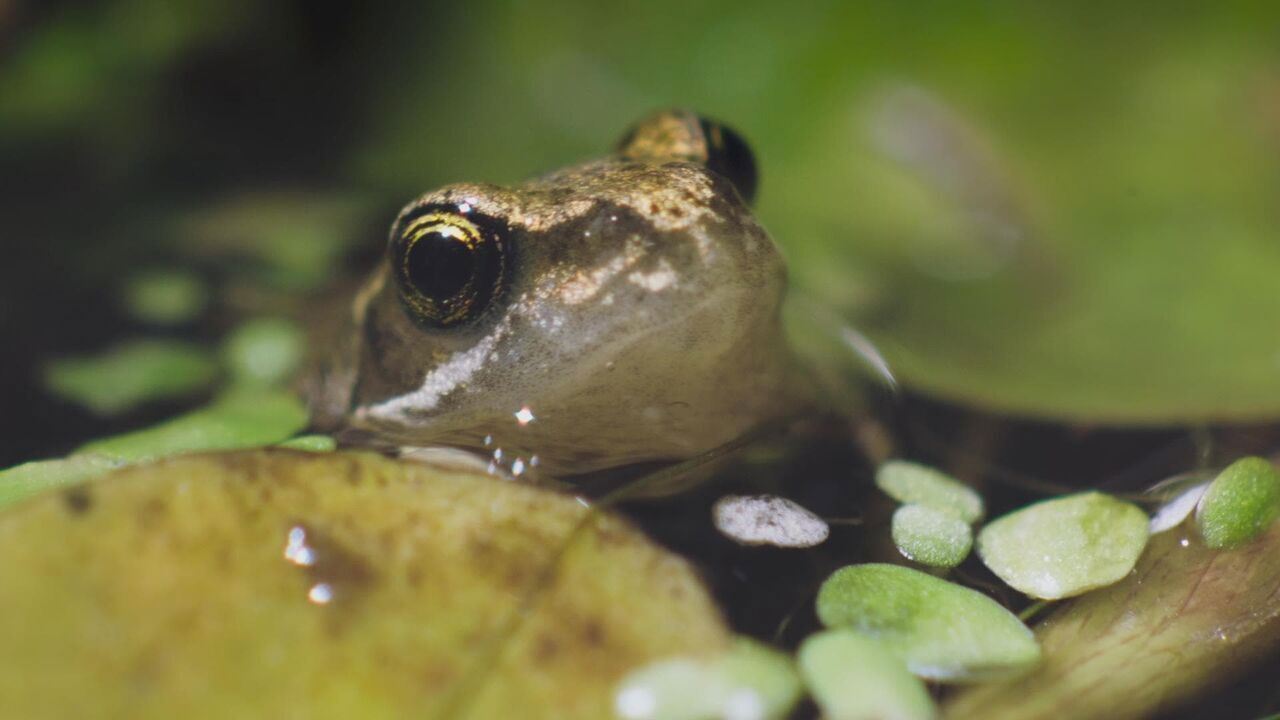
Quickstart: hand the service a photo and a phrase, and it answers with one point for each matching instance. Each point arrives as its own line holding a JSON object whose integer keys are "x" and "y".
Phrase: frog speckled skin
{"x": 622, "y": 311}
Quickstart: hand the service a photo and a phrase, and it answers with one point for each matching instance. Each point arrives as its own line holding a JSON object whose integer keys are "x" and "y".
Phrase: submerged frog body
{"x": 618, "y": 312}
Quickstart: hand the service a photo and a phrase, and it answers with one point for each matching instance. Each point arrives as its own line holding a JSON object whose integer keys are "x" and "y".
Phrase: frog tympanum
{"x": 617, "y": 312}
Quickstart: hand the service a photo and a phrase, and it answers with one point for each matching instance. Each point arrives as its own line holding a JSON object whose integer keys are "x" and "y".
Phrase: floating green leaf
{"x": 931, "y": 537}
{"x": 132, "y": 373}
{"x": 917, "y": 484}
{"x": 747, "y": 681}
{"x": 265, "y": 351}
{"x": 942, "y": 630}
{"x": 1065, "y": 546}
{"x": 853, "y": 677}
{"x": 1239, "y": 504}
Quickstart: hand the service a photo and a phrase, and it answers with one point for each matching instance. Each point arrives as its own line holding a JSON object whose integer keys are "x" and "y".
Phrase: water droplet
{"x": 296, "y": 549}
{"x": 524, "y": 416}
{"x": 517, "y": 467}
{"x": 320, "y": 593}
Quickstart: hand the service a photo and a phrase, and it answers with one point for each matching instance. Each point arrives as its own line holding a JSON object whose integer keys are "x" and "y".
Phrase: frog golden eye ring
{"x": 449, "y": 265}
{"x": 684, "y": 135}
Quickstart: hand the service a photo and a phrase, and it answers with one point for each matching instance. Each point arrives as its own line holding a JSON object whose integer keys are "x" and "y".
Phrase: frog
{"x": 623, "y": 312}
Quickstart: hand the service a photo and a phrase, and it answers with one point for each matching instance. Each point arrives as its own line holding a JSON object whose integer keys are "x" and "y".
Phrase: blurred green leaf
{"x": 917, "y": 484}
{"x": 241, "y": 417}
{"x": 293, "y": 239}
{"x": 166, "y": 297}
{"x": 853, "y": 677}
{"x": 748, "y": 680}
{"x": 264, "y": 351}
{"x": 944, "y": 632}
{"x": 132, "y": 373}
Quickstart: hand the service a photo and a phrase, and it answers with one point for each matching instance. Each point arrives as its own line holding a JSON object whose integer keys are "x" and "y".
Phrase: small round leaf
{"x": 931, "y": 537}
{"x": 943, "y": 631}
{"x": 749, "y": 680}
{"x": 1239, "y": 504}
{"x": 1066, "y": 546}
{"x": 852, "y": 677}
{"x": 913, "y": 483}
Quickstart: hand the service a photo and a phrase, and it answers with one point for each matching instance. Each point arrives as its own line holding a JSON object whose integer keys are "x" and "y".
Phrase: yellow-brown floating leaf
{"x": 1188, "y": 617}
{"x": 280, "y": 583}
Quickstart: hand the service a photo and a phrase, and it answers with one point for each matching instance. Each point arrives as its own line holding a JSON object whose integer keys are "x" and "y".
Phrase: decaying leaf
{"x": 280, "y": 583}
{"x": 1188, "y": 616}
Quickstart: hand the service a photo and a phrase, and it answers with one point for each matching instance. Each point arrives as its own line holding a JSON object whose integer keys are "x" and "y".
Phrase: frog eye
{"x": 449, "y": 266}
{"x": 683, "y": 135}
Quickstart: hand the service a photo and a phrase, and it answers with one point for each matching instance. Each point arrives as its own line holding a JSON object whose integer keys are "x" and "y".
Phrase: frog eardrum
{"x": 448, "y": 263}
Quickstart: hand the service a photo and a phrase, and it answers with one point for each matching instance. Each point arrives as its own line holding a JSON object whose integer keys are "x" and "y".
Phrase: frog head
{"x": 620, "y": 311}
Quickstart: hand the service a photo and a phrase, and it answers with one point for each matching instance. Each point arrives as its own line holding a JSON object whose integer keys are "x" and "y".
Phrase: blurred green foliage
{"x": 1065, "y": 211}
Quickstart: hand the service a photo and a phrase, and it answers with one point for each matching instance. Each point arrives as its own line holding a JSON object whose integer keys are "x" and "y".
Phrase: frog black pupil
{"x": 440, "y": 264}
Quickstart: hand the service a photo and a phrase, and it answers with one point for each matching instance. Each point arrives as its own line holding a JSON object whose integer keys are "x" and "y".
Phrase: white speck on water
{"x": 517, "y": 467}
{"x": 524, "y": 416}
{"x": 768, "y": 520}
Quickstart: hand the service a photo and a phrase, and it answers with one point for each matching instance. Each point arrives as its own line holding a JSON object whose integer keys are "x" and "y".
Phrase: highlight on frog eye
{"x": 448, "y": 266}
